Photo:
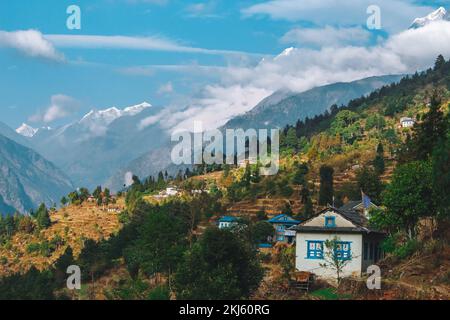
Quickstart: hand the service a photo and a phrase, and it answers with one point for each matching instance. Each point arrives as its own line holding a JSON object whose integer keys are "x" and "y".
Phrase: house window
{"x": 330, "y": 222}
{"x": 280, "y": 228}
{"x": 343, "y": 250}
{"x": 315, "y": 249}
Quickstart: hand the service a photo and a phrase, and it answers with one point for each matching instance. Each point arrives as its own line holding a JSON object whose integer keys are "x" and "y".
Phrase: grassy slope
{"x": 72, "y": 224}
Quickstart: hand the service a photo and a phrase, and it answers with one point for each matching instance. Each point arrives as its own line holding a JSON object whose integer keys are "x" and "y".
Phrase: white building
{"x": 357, "y": 243}
{"x": 171, "y": 191}
{"x": 227, "y": 222}
{"x": 407, "y": 122}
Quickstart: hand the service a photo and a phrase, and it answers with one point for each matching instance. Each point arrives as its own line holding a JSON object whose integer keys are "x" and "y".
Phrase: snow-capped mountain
{"x": 92, "y": 149}
{"x": 107, "y": 116}
{"x": 26, "y": 130}
{"x": 439, "y": 15}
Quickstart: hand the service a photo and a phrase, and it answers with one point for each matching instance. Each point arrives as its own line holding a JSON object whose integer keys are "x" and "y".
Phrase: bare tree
{"x": 335, "y": 258}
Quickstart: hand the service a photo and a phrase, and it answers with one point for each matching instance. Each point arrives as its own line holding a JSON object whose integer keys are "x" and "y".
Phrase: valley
{"x": 183, "y": 235}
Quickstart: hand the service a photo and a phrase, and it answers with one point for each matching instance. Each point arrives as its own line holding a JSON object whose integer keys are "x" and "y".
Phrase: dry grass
{"x": 72, "y": 224}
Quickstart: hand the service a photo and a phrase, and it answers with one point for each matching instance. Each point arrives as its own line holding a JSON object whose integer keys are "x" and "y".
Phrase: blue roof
{"x": 228, "y": 219}
{"x": 284, "y": 219}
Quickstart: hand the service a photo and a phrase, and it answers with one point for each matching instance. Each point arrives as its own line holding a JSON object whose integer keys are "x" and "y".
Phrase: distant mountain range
{"x": 277, "y": 110}
{"x": 27, "y": 179}
{"x": 94, "y": 148}
{"x": 105, "y": 145}
{"x": 283, "y": 108}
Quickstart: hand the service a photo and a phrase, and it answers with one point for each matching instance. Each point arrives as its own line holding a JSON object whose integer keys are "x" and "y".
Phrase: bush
{"x": 33, "y": 247}
{"x": 407, "y": 249}
{"x": 159, "y": 293}
{"x": 390, "y": 244}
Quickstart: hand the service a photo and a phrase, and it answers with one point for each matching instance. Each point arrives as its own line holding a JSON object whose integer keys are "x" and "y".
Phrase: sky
{"x": 201, "y": 60}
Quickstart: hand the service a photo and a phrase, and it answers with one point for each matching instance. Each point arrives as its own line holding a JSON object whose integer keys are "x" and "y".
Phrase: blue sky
{"x": 176, "y": 53}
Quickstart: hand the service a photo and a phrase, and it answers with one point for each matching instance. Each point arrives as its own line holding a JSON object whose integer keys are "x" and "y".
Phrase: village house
{"x": 282, "y": 224}
{"x": 227, "y": 222}
{"x": 356, "y": 242}
{"x": 406, "y": 122}
{"x": 169, "y": 192}
{"x": 359, "y": 206}
{"x": 114, "y": 210}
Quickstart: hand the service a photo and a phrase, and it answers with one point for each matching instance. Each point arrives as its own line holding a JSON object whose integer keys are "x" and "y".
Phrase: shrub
{"x": 407, "y": 249}
{"x": 159, "y": 293}
{"x": 33, "y": 247}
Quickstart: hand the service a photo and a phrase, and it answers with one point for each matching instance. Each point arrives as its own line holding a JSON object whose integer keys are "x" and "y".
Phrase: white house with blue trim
{"x": 357, "y": 243}
{"x": 227, "y": 222}
{"x": 282, "y": 224}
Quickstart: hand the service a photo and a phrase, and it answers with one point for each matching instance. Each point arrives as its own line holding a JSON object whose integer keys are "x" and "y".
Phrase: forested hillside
{"x": 170, "y": 248}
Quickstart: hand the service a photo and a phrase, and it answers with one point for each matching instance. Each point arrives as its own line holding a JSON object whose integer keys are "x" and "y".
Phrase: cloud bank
{"x": 31, "y": 43}
{"x": 395, "y": 14}
{"x": 300, "y": 69}
{"x": 61, "y": 106}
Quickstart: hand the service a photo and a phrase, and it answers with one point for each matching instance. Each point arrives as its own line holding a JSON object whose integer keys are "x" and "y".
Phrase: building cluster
{"x": 174, "y": 191}
{"x": 346, "y": 228}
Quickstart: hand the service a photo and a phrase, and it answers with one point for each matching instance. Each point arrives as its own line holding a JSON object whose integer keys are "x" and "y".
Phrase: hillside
{"x": 277, "y": 110}
{"x": 283, "y": 108}
{"x": 27, "y": 179}
{"x": 70, "y": 227}
{"x": 169, "y": 246}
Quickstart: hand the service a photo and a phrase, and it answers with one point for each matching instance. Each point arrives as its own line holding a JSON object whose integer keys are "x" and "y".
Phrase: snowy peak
{"x": 286, "y": 53}
{"x": 107, "y": 116}
{"x": 438, "y": 15}
{"x": 26, "y": 130}
{"x": 134, "y": 110}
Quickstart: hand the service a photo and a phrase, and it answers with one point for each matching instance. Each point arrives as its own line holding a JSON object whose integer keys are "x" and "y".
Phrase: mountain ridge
{"x": 28, "y": 179}
{"x": 288, "y": 108}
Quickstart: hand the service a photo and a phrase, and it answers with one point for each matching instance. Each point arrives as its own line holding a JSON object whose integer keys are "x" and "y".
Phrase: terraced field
{"x": 70, "y": 227}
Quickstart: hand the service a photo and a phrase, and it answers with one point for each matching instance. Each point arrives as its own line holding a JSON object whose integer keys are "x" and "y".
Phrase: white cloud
{"x": 239, "y": 88}
{"x": 152, "y": 43}
{"x": 166, "y": 88}
{"x": 217, "y": 105}
{"x": 149, "y": 121}
{"x": 396, "y": 15}
{"x": 61, "y": 106}
{"x": 30, "y": 43}
{"x": 418, "y": 48}
{"x": 327, "y": 36}
{"x": 202, "y": 10}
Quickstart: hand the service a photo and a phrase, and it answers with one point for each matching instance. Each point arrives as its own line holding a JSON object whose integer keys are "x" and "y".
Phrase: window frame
{"x": 333, "y": 222}
{"x": 316, "y": 254}
{"x": 345, "y": 254}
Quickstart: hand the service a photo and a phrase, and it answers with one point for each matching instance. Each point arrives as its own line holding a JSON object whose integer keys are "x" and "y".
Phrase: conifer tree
{"x": 43, "y": 217}
{"x": 326, "y": 185}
